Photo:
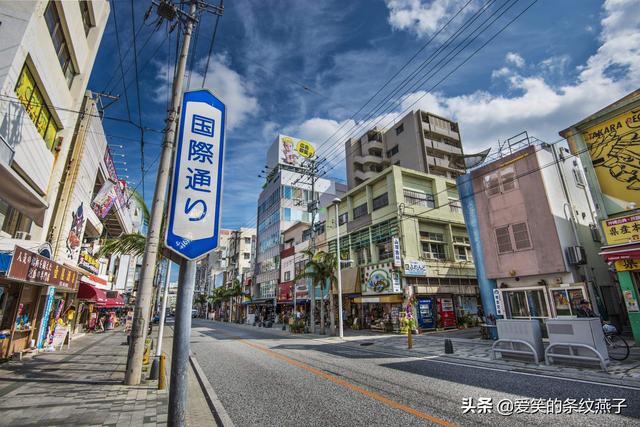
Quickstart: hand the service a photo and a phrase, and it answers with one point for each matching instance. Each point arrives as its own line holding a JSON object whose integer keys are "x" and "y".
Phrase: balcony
{"x": 368, "y": 160}
{"x": 441, "y": 146}
{"x": 364, "y": 175}
{"x": 442, "y": 163}
{"x": 372, "y": 144}
{"x": 441, "y": 131}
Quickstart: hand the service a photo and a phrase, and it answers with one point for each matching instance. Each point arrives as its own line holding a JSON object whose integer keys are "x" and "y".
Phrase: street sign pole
{"x": 180, "y": 353}
{"x": 193, "y": 220}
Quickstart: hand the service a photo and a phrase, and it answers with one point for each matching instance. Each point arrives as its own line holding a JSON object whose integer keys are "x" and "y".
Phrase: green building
{"x": 403, "y": 240}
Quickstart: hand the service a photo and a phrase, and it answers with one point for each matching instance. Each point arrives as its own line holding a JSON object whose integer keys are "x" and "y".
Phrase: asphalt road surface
{"x": 267, "y": 379}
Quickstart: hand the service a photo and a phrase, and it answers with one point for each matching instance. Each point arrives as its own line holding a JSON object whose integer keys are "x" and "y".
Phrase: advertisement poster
{"x": 103, "y": 201}
{"x": 614, "y": 148}
{"x": 74, "y": 238}
{"x": 380, "y": 279}
{"x": 44, "y": 324}
{"x": 630, "y": 301}
{"x": 426, "y": 318}
{"x": 294, "y": 151}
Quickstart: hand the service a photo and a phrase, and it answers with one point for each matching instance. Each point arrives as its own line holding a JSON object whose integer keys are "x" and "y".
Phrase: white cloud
{"x": 424, "y": 18}
{"x": 234, "y": 90}
{"x": 515, "y": 59}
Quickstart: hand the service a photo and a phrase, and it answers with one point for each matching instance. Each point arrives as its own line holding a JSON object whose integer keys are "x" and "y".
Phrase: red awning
{"x": 90, "y": 293}
{"x": 116, "y": 302}
{"x": 620, "y": 252}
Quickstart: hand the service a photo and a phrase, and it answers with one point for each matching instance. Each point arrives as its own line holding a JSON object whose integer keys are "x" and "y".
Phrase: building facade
{"x": 241, "y": 254}
{"x": 403, "y": 240}
{"x": 420, "y": 141}
{"x": 608, "y": 144}
{"x": 534, "y": 221}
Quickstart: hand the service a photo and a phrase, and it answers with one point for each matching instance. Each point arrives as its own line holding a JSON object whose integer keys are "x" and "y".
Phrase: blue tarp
{"x": 5, "y": 261}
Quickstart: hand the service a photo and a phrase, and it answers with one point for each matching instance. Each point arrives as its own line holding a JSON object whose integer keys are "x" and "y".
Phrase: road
{"x": 262, "y": 377}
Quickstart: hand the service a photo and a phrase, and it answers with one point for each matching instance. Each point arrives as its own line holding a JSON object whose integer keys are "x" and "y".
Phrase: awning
{"x": 620, "y": 252}
{"x": 260, "y": 301}
{"x": 389, "y": 299}
{"x": 93, "y": 280}
{"x": 92, "y": 294}
{"x": 17, "y": 193}
{"x": 116, "y": 302}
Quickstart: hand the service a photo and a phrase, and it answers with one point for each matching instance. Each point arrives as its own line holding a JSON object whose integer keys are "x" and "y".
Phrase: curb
{"x": 218, "y": 411}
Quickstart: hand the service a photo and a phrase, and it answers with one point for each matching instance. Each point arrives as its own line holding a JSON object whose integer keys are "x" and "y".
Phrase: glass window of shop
{"x": 567, "y": 301}
{"x": 529, "y": 303}
{"x": 12, "y": 221}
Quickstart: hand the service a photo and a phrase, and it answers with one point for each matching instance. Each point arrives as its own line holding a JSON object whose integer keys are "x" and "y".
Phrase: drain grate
{"x": 365, "y": 344}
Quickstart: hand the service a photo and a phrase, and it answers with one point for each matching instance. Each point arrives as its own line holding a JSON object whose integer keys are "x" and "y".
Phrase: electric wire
{"x": 213, "y": 39}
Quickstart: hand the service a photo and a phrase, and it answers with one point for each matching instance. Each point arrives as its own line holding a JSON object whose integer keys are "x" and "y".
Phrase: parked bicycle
{"x": 616, "y": 345}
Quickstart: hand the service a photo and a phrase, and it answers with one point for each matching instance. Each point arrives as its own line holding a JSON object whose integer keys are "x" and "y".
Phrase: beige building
{"x": 420, "y": 141}
{"x": 241, "y": 254}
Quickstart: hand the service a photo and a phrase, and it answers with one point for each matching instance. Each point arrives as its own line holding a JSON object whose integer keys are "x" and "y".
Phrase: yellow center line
{"x": 339, "y": 381}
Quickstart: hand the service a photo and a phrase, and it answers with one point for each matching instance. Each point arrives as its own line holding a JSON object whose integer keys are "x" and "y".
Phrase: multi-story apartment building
{"x": 402, "y": 237}
{"x": 608, "y": 143}
{"x": 211, "y": 271}
{"x": 283, "y": 201}
{"x": 420, "y": 141}
{"x": 532, "y": 220}
{"x": 241, "y": 254}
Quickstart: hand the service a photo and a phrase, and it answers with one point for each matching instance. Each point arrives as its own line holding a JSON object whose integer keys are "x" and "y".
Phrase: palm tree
{"x": 201, "y": 300}
{"x": 321, "y": 270}
{"x": 128, "y": 243}
{"x": 233, "y": 293}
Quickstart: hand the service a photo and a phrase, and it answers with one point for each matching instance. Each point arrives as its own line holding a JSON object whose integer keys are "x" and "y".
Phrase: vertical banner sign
{"x": 397, "y": 262}
{"x": 194, "y": 212}
{"x": 44, "y": 323}
{"x": 497, "y": 298}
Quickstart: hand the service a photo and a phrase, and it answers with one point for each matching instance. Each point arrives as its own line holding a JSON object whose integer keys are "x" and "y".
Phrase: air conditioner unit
{"x": 595, "y": 233}
{"x": 22, "y": 235}
{"x": 576, "y": 255}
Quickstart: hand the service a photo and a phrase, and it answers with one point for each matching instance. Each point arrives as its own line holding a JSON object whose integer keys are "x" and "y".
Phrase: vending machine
{"x": 426, "y": 317}
{"x": 446, "y": 313}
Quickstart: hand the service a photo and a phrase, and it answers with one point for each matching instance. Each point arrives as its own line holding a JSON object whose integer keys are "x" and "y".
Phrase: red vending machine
{"x": 446, "y": 313}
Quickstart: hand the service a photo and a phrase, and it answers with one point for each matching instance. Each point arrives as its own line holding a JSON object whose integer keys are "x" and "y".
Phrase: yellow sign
{"x": 625, "y": 229}
{"x": 305, "y": 149}
{"x": 614, "y": 147}
{"x": 627, "y": 265}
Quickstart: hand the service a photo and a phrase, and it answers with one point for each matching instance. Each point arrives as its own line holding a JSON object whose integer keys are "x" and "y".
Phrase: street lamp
{"x": 340, "y": 320}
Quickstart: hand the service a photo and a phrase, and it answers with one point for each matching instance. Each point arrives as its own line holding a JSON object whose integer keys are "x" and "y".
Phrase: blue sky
{"x": 305, "y": 67}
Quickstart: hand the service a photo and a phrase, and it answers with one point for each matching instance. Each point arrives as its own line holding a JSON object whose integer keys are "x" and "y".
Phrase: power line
{"x": 115, "y": 23}
{"x": 135, "y": 58}
{"x": 213, "y": 39}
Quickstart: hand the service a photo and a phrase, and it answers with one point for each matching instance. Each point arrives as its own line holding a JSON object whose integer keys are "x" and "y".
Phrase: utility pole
{"x": 169, "y": 11}
{"x": 311, "y": 166}
{"x": 340, "y": 319}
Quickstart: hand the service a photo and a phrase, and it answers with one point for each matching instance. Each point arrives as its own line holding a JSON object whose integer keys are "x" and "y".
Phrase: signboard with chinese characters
{"x": 290, "y": 151}
{"x": 194, "y": 212}
{"x": 627, "y": 265}
{"x": 497, "y": 298}
{"x": 625, "y": 229}
{"x": 380, "y": 279}
{"x": 88, "y": 262}
{"x": 31, "y": 267}
{"x": 614, "y": 148}
{"x": 415, "y": 268}
{"x": 397, "y": 261}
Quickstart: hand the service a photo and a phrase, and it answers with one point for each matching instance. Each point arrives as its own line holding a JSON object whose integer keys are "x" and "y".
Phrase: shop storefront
{"x": 541, "y": 302}
{"x": 37, "y": 303}
{"x": 379, "y": 307}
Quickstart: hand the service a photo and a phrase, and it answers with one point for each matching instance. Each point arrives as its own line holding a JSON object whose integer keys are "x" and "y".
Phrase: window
{"x": 508, "y": 178}
{"x": 32, "y": 100}
{"x": 86, "y": 16}
{"x": 461, "y": 239}
{"x": 359, "y": 211}
{"x": 463, "y": 253}
{"x": 435, "y": 237}
{"x": 384, "y": 251}
{"x": 342, "y": 219}
{"x": 500, "y": 181}
{"x": 59, "y": 42}
{"x": 363, "y": 255}
{"x": 287, "y": 276}
{"x": 287, "y": 192}
{"x": 455, "y": 206}
{"x": 247, "y": 240}
{"x": 246, "y": 255}
{"x": 400, "y": 129}
{"x": 13, "y": 221}
{"x": 577, "y": 176}
{"x": 492, "y": 184}
{"x": 521, "y": 236}
{"x": 434, "y": 250}
{"x": 393, "y": 151}
{"x": 503, "y": 238}
{"x": 381, "y": 201}
{"x": 418, "y": 198}
{"x": 287, "y": 214}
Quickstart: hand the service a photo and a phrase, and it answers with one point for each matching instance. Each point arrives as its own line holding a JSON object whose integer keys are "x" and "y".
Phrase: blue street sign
{"x": 194, "y": 212}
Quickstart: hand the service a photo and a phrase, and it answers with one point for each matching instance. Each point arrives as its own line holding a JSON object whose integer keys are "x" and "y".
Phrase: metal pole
{"x": 133, "y": 375}
{"x": 164, "y": 310}
{"x": 180, "y": 353}
{"x": 340, "y": 320}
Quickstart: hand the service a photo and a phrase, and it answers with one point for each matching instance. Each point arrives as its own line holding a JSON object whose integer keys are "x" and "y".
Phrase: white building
{"x": 48, "y": 50}
{"x": 241, "y": 253}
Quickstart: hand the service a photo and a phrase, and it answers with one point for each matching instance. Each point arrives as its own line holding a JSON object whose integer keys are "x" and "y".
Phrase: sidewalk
{"x": 83, "y": 386}
{"x": 477, "y": 352}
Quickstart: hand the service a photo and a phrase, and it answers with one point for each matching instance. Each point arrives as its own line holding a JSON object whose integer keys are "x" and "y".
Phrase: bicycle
{"x": 616, "y": 345}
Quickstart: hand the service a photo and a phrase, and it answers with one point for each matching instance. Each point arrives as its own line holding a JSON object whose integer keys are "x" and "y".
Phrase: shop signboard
{"x": 497, "y": 298}
{"x": 426, "y": 318}
{"x": 627, "y": 265}
{"x": 415, "y": 268}
{"x": 30, "y": 267}
{"x": 292, "y": 151}
{"x": 380, "y": 279}
{"x": 397, "y": 261}
{"x": 614, "y": 148}
{"x": 44, "y": 323}
{"x": 88, "y": 262}
{"x": 625, "y": 229}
